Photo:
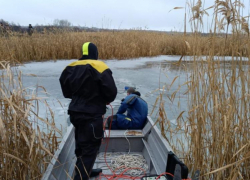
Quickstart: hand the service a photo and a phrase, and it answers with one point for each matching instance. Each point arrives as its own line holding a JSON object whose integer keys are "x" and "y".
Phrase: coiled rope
{"x": 135, "y": 163}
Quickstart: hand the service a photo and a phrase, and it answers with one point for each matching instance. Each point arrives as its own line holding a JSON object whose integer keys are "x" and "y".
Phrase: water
{"x": 150, "y": 75}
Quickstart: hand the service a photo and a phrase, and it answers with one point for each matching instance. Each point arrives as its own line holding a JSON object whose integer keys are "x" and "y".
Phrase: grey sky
{"x": 117, "y": 14}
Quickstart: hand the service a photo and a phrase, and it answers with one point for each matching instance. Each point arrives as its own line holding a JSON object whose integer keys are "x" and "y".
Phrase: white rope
{"x": 109, "y": 155}
{"x": 120, "y": 163}
{"x": 128, "y": 141}
{"x": 136, "y": 163}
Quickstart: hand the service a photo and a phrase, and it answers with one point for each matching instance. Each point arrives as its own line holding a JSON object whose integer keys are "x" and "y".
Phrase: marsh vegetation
{"x": 116, "y": 45}
{"x": 216, "y": 130}
{"x": 27, "y": 141}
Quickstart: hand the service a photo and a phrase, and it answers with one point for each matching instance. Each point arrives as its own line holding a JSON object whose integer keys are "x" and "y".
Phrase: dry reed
{"x": 215, "y": 131}
{"x": 113, "y": 44}
{"x": 27, "y": 141}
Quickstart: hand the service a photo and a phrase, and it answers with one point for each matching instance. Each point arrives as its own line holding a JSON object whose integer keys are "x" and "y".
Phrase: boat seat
{"x": 124, "y": 133}
{"x": 130, "y": 133}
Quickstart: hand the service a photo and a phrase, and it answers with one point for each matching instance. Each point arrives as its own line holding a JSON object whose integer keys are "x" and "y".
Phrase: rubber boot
{"x": 95, "y": 172}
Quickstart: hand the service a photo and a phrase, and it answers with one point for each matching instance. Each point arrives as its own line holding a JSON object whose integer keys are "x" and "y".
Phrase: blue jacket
{"x": 137, "y": 111}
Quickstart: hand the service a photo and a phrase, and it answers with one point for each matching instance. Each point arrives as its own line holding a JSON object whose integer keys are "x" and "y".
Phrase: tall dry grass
{"x": 216, "y": 129}
{"x": 27, "y": 141}
{"x": 113, "y": 44}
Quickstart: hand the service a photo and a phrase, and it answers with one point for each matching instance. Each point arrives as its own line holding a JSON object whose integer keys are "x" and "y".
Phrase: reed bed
{"x": 215, "y": 129}
{"x": 27, "y": 141}
{"x": 111, "y": 45}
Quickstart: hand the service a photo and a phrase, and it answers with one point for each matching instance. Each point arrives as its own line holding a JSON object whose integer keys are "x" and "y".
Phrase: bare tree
{"x": 61, "y": 22}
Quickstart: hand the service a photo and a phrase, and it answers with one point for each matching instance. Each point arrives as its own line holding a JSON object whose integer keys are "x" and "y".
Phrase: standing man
{"x": 30, "y": 30}
{"x": 89, "y": 84}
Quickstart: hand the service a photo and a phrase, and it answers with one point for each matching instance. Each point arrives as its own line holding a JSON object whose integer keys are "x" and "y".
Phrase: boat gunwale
{"x": 70, "y": 130}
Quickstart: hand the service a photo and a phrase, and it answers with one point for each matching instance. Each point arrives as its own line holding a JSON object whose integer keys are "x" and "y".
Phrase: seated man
{"x": 137, "y": 111}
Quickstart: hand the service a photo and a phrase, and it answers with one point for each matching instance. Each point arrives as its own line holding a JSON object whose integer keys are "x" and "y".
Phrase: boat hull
{"x": 147, "y": 142}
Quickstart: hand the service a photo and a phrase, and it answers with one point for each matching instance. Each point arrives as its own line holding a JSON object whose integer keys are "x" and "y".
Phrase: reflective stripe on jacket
{"x": 90, "y": 85}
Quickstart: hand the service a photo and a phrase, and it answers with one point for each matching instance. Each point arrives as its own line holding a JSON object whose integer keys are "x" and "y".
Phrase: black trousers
{"x": 88, "y": 138}
{"x": 108, "y": 123}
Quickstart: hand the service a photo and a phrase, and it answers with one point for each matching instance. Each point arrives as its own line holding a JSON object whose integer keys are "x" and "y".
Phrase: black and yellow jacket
{"x": 88, "y": 82}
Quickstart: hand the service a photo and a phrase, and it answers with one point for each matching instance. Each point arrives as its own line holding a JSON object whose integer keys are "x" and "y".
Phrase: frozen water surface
{"x": 149, "y": 75}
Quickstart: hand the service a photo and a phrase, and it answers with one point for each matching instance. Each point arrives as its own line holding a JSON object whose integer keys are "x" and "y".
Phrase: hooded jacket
{"x": 137, "y": 111}
{"x": 88, "y": 82}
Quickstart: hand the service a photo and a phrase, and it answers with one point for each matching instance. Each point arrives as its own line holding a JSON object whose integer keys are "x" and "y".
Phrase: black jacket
{"x": 90, "y": 85}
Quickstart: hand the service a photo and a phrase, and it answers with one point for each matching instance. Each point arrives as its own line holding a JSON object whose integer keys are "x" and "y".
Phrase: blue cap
{"x": 127, "y": 87}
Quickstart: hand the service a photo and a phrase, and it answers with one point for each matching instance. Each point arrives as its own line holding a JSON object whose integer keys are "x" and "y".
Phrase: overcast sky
{"x": 113, "y": 14}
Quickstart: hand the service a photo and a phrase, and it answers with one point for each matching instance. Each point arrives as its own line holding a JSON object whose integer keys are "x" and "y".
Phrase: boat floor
{"x": 102, "y": 164}
{"x": 147, "y": 143}
{"x": 100, "y": 161}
